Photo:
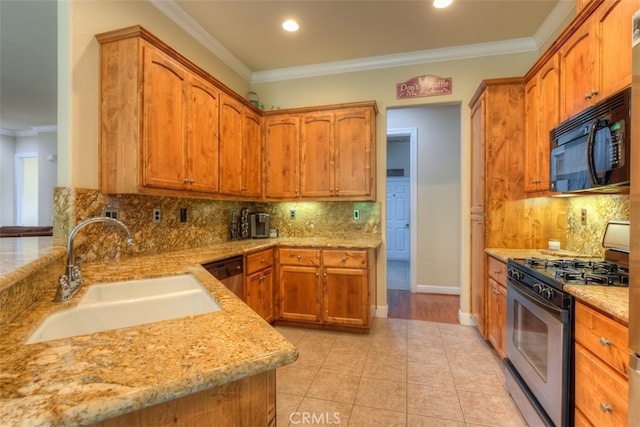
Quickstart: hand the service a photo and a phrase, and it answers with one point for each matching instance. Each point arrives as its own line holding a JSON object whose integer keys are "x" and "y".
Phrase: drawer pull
{"x": 605, "y": 342}
{"x": 262, "y": 260}
{"x": 605, "y": 408}
{"x": 344, "y": 258}
{"x": 299, "y": 257}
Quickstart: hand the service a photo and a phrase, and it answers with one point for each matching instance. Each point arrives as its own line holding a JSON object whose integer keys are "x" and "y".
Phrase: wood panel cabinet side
{"x": 120, "y": 114}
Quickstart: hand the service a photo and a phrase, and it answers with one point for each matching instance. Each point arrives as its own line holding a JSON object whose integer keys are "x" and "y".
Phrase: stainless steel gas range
{"x": 539, "y": 344}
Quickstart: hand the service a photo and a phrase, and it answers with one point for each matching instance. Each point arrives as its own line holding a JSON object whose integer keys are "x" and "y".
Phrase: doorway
{"x": 401, "y": 199}
{"x": 27, "y": 188}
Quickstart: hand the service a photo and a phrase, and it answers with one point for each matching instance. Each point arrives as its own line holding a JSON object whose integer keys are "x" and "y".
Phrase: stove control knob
{"x": 516, "y": 274}
{"x": 547, "y": 293}
{"x": 537, "y": 287}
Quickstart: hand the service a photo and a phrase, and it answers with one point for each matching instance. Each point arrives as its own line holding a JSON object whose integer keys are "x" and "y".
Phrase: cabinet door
{"x": 260, "y": 293}
{"x": 579, "y": 62}
{"x": 316, "y": 155}
{"x": 477, "y": 274}
{"x": 496, "y": 315}
{"x": 549, "y": 116}
{"x": 282, "y": 157}
{"x": 353, "y": 153}
{"x": 345, "y": 296}
{"x": 203, "y": 136}
{"x": 300, "y": 293}
{"x": 532, "y": 123}
{"x": 615, "y": 29}
{"x": 164, "y": 118}
{"x": 477, "y": 156}
{"x": 252, "y": 155}
{"x": 231, "y": 117}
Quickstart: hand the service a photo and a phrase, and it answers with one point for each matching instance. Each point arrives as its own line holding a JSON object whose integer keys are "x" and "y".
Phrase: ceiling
{"x": 334, "y": 36}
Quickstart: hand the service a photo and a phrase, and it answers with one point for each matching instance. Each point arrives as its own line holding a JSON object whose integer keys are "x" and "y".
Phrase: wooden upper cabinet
{"x": 317, "y": 155}
{"x": 164, "y": 118}
{"x": 282, "y": 156}
{"x": 614, "y": 20}
{"x": 541, "y": 106}
{"x": 336, "y": 153}
{"x": 579, "y": 59}
{"x": 477, "y": 156}
{"x": 354, "y": 153}
{"x": 203, "y": 152}
{"x": 240, "y": 149}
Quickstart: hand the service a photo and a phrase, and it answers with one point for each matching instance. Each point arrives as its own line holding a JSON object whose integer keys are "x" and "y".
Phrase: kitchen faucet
{"x": 68, "y": 284}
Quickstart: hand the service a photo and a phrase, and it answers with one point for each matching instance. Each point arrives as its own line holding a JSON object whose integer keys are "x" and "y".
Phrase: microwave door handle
{"x": 590, "y": 147}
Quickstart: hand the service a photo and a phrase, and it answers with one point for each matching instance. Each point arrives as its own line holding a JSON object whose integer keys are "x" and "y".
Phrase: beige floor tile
{"x": 316, "y": 343}
{"x": 490, "y": 410}
{"x": 292, "y": 334}
{"x": 309, "y": 359}
{"x": 423, "y": 326}
{"x": 382, "y": 394}
{"x": 433, "y": 375}
{"x": 362, "y": 416}
{"x": 321, "y": 412}
{"x": 384, "y": 367}
{"x": 470, "y": 359}
{"x": 286, "y": 405}
{"x": 334, "y": 386}
{"x": 352, "y": 343}
{"x": 478, "y": 380}
{"x": 435, "y": 355}
{"x": 433, "y": 402}
{"x": 389, "y": 345}
{"x": 350, "y": 364}
{"x": 414, "y": 420}
{"x": 425, "y": 339}
{"x": 292, "y": 380}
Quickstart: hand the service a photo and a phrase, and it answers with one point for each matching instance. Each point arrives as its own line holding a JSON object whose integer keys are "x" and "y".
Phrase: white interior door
{"x": 27, "y": 189}
{"x": 398, "y": 218}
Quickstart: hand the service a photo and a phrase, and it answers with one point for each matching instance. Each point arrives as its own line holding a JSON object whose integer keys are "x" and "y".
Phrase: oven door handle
{"x": 536, "y": 299}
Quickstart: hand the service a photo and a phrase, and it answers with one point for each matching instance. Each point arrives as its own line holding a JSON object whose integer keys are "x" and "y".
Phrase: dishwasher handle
{"x": 226, "y": 268}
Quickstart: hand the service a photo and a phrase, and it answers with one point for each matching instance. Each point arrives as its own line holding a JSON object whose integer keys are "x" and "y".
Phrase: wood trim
{"x": 493, "y": 82}
{"x": 327, "y": 107}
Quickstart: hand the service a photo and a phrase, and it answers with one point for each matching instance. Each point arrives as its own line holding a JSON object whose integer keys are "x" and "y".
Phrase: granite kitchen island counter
{"x": 89, "y": 378}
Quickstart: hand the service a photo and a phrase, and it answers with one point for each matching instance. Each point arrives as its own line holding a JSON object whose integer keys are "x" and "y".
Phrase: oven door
{"x": 538, "y": 347}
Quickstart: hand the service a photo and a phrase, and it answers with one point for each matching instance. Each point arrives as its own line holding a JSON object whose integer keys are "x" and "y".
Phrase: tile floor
{"x": 398, "y": 275}
{"x": 404, "y": 373}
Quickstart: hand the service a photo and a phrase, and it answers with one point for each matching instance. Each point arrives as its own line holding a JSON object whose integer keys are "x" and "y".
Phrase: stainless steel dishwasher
{"x": 229, "y": 273}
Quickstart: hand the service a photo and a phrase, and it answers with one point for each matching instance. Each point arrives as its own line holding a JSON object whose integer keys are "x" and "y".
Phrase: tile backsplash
{"x": 600, "y": 209}
{"x": 207, "y": 222}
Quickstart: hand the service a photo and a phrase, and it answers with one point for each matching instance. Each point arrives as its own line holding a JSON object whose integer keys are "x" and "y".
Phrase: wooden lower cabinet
{"x": 258, "y": 284}
{"x": 250, "y": 401}
{"x": 496, "y": 293}
{"x": 601, "y": 355}
{"x": 326, "y": 287}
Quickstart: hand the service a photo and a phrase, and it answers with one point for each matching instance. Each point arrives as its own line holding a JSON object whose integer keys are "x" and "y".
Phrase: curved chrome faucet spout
{"x": 68, "y": 284}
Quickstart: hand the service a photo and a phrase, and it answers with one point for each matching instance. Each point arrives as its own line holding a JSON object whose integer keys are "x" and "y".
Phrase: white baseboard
{"x": 430, "y": 289}
{"x": 382, "y": 311}
{"x": 465, "y": 318}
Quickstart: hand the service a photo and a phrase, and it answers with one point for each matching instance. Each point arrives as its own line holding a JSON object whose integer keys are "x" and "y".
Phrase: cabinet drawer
{"x": 601, "y": 393}
{"x": 296, "y": 256}
{"x": 258, "y": 261}
{"x": 497, "y": 269}
{"x": 603, "y": 336}
{"x": 350, "y": 259}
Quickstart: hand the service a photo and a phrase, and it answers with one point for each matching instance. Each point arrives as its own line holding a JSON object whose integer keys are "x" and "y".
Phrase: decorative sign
{"x": 424, "y": 86}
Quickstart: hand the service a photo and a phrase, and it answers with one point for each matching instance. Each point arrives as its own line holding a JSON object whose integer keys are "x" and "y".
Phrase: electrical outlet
{"x": 292, "y": 214}
{"x": 356, "y": 214}
{"x": 156, "y": 215}
{"x": 109, "y": 213}
{"x": 583, "y": 217}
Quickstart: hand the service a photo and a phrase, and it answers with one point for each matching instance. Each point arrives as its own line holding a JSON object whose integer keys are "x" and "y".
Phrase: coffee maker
{"x": 259, "y": 225}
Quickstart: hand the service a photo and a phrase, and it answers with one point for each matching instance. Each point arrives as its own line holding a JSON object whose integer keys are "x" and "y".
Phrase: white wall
{"x": 7, "y": 181}
{"x": 398, "y": 156}
{"x": 439, "y": 191}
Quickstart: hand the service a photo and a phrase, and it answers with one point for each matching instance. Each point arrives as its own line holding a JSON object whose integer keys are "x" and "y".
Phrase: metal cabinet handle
{"x": 299, "y": 257}
{"x": 344, "y": 258}
{"x": 605, "y": 342}
{"x": 496, "y": 271}
{"x": 262, "y": 260}
{"x": 604, "y": 407}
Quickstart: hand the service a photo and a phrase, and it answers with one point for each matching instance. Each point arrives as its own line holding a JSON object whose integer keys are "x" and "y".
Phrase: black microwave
{"x": 590, "y": 151}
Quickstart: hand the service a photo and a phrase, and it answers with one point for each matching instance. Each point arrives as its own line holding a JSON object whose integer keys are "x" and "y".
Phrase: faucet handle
{"x": 76, "y": 274}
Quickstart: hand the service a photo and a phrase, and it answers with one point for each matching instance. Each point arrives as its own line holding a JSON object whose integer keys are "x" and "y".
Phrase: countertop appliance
{"x": 229, "y": 273}
{"x": 634, "y": 268}
{"x": 259, "y": 225}
{"x": 591, "y": 151}
{"x": 539, "y": 345}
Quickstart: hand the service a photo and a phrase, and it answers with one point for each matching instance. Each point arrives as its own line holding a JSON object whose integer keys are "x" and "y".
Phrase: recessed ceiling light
{"x": 439, "y": 4}
{"x": 290, "y": 25}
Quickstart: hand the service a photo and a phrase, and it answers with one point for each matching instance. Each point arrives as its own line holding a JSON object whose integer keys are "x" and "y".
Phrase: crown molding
{"x": 184, "y": 21}
{"x": 32, "y": 131}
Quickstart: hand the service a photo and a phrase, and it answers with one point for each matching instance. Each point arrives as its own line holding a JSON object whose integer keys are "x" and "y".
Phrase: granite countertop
{"x": 85, "y": 379}
{"x": 612, "y": 300}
